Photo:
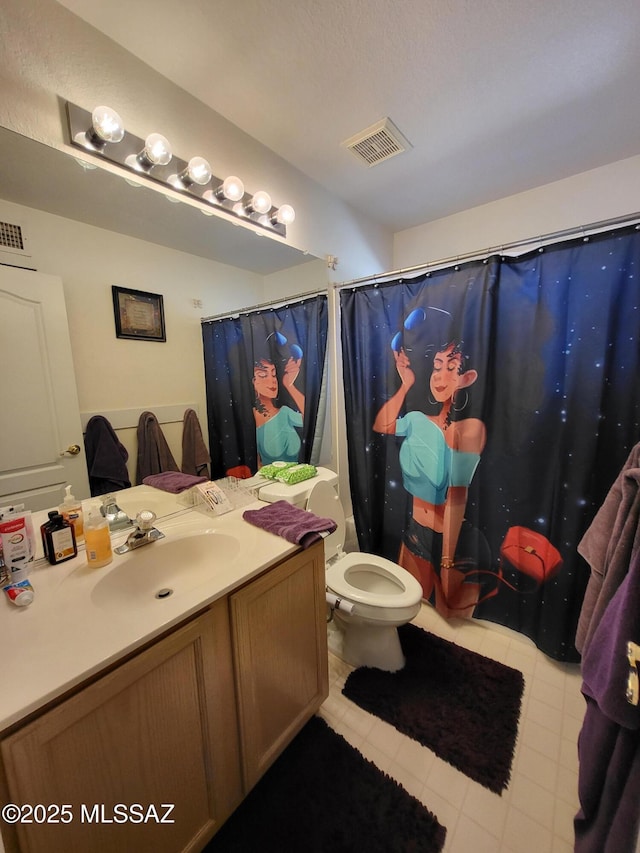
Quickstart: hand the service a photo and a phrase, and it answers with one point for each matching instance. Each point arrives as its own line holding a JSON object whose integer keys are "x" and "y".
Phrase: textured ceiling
{"x": 495, "y": 97}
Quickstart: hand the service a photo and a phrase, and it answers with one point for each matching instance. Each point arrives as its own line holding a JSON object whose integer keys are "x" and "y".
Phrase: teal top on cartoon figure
{"x": 277, "y": 438}
{"x": 429, "y": 465}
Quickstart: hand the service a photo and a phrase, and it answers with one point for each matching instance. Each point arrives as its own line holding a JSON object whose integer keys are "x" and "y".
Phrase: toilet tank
{"x": 298, "y": 493}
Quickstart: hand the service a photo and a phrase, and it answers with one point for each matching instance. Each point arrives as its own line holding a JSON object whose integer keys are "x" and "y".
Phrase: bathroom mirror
{"x": 41, "y": 178}
{"x": 36, "y": 175}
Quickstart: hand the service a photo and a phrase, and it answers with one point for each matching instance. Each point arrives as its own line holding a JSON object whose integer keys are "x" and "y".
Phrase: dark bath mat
{"x": 322, "y": 796}
{"x": 461, "y": 705}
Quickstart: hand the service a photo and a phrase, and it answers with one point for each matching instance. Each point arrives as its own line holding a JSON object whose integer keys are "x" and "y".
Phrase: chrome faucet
{"x": 143, "y": 534}
{"x": 115, "y": 516}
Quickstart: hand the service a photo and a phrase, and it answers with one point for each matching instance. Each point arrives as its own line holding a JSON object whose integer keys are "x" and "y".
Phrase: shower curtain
{"x": 263, "y": 375}
{"x": 489, "y": 408}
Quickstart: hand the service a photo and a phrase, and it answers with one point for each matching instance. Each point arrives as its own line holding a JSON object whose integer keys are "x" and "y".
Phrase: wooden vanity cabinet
{"x": 159, "y": 729}
{"x": 279, "y": 629}
{"x": 192, "y": 721}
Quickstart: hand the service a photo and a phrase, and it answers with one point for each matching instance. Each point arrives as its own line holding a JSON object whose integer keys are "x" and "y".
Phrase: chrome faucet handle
{"x": 145, "y": 519}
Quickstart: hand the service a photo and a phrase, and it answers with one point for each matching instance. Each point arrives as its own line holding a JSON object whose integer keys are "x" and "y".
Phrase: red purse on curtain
{"x": 531, "y": 553}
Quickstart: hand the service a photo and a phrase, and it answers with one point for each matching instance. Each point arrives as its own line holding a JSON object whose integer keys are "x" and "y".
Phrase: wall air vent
{"x": 14, "y": 248}
{"x": 11, "y": 236}
{"x": 377, "y": 143}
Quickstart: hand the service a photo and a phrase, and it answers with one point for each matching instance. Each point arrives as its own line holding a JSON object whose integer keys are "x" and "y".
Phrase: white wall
{"x": 49, "y": 56}
{"x": 305, "y": 278}
{"x": 604, "y": 193}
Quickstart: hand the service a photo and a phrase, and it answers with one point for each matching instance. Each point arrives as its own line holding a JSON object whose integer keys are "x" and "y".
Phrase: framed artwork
{"x": 138, "y": 315}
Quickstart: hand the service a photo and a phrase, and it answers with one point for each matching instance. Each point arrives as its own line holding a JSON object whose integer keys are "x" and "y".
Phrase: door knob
{"x": 72, "y": 450}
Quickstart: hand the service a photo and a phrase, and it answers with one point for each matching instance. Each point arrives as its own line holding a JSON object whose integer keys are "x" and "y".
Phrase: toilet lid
{"x": 324, "y": 501}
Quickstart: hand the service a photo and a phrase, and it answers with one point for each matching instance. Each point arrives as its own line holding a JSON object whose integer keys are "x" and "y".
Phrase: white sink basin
{"x": 157, "y": 571}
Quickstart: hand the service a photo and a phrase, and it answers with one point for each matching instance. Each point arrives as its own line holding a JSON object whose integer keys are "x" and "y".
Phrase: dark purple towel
{"x": 106, "y": 457}
{"x": 154, "y": 454}
{"x": 605, "y": 666}
{"x": 195, "y": 456}
{"x": 293, "y": 524}
{"x": 173, "y": 481}
{"x": 609, "y": 742}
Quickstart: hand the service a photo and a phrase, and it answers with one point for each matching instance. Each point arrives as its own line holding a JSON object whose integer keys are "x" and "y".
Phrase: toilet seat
{"x": 388, "y": 585}
{"x": 374, "y": 583}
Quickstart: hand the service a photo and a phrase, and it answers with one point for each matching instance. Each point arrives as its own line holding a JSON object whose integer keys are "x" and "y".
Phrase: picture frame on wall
{"x": 138, "y": 315}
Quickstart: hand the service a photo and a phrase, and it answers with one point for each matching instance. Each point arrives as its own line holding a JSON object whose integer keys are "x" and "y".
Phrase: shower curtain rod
{"x": 586, "y": 230}
{"x": 297, "y": 297}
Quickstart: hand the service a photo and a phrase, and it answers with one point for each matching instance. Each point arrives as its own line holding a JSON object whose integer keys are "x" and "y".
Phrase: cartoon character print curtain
{"x": 489, "y": 408}
{"x": 263, "y": 374}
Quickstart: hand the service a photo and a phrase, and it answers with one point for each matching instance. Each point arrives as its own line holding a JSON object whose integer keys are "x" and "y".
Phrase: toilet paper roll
{"x": 340, "y": 603}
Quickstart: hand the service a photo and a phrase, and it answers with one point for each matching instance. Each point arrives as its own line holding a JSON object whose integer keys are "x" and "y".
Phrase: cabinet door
{"x": 280, "y": 639}
{"x": 160, "y": 729}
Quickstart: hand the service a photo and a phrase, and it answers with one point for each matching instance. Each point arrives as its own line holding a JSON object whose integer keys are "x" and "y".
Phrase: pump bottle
{"x": 97, "y": 538}
{"x": 71, "y": 510}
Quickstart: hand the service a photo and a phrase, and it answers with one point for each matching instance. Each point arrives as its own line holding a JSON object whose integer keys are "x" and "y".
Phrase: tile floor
{"x": 535, "y": 813}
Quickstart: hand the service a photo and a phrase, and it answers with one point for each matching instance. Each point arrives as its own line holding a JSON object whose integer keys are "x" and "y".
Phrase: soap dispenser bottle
{"x": 71, "y": 509}
{"x": 97, "y": 538}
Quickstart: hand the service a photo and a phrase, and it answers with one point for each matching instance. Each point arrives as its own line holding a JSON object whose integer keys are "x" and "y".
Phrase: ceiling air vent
{"x": 377, "y": 143}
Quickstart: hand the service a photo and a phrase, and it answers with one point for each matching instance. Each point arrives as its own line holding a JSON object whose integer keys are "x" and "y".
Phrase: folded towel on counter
{"x": 173, "y": 481}
{"x": 293, "y": 524}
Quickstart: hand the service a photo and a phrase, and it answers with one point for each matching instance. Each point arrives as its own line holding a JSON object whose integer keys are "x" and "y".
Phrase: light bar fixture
{"x": 102, "y": 134}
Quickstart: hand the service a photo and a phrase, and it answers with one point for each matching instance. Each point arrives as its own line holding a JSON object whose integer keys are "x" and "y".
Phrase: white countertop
{"x": 67, "y": 634}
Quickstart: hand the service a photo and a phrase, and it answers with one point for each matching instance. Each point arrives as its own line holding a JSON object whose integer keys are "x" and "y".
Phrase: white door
{"x": 41, "y": 443}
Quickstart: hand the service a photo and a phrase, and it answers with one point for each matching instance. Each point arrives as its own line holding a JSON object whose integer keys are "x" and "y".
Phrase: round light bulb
{"x": 157, "y": 149}
{"x": 232, "y": 188}
{"x": 261, "y": 202}
{"x": 107, "y": 124}
{"x": 285, "y": 215}
{"x": 198, "y": 172}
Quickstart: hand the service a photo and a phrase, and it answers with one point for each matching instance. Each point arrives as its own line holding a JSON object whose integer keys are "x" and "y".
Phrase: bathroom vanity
{"x": 143, "y": 727}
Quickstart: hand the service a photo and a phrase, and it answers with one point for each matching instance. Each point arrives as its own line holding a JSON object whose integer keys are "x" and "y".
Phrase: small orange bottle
{"x": 97, "y": 539}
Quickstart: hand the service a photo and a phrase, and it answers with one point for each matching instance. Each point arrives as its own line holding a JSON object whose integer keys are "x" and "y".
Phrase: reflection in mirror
{"x": 132, "y": 501}
{"x": 44, "y": 179}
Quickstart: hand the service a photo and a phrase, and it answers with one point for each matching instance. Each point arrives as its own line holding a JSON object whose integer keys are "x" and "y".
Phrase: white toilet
{"x": 371, "y": 596}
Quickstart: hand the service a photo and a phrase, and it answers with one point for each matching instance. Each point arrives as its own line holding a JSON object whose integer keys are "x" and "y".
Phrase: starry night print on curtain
{"x": 489, "y": 409}
{"x": 263, "y": 374}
